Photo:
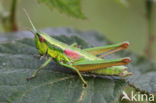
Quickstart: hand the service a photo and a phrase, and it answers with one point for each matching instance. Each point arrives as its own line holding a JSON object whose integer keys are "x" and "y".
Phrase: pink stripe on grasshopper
{"x": 72, "y": 54}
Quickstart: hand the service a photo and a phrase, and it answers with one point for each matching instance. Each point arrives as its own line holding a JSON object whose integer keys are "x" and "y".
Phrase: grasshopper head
{"x": 41, "y": 44}
{"x": 39, "y": 40}
{"x": 39, "y": 37}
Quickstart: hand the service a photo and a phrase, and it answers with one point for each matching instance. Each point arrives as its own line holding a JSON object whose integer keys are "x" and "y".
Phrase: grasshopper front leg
{"x": 41, "y": 67}
{"x": 76, "y": 70}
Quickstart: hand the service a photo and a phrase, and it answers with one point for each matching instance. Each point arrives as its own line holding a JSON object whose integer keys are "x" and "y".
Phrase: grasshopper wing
{"x": 107, "y": 49}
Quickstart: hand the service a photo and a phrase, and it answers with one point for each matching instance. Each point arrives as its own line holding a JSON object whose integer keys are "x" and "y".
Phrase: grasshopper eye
{"x": 41, "y": 39}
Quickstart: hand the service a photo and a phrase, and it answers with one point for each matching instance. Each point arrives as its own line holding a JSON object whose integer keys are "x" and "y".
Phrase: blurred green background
{"x": 118, "y": 21}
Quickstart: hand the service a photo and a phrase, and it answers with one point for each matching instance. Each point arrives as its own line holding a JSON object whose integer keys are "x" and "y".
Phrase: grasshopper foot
{"x": 85, "y": 85}
{"x": 29, "y": 78}
{"x": 38, "y": 56}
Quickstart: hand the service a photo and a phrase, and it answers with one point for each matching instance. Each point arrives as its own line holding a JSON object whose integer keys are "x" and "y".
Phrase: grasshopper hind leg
{"x": 85, "y": 84}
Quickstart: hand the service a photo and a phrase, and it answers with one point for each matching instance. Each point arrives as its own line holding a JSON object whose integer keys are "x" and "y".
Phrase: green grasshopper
{"x": 80, "y": 60}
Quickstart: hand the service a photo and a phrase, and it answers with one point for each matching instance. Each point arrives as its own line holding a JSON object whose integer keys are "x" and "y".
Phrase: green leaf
{"x": 70, "y": 7}
{"x": 55, "y": 84}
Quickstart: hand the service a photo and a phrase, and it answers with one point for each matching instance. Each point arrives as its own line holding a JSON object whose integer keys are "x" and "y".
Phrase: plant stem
{"x": 12, "y": 18}
{"x": 150, "y": 42}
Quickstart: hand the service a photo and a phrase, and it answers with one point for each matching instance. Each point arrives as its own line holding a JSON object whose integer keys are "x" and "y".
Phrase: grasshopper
{"x": 80, "y": 60}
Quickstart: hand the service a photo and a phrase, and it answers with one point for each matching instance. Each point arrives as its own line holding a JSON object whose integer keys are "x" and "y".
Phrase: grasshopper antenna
{"x": 26, "y": 13}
